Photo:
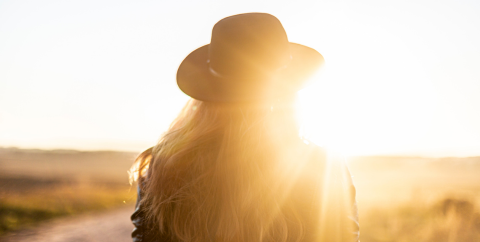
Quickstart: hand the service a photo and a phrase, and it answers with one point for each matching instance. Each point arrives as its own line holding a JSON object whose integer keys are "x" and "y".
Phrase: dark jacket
{"x": 146, "y": 232}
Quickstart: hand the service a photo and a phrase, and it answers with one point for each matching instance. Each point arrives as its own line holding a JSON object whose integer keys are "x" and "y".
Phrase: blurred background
{"x": 87, "y": 85}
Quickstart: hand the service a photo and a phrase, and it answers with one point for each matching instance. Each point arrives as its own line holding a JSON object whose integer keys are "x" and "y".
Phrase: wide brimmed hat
{"x": 248, "y": 59}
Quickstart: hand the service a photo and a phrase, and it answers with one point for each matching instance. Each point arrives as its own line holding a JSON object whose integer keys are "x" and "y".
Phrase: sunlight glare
{"x": 342, "y": 112}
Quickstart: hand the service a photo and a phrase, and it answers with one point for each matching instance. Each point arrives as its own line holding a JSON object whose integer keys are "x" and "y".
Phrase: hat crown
{"x": 248, "y": 45}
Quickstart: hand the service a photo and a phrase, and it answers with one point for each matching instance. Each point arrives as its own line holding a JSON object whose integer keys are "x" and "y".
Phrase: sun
{"x": 347, "y": 115}
{"x": 319, "y": 125}
{"x": 327, "y": 116}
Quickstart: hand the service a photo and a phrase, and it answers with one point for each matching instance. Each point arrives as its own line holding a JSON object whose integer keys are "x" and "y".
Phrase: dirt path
{"x": 114, "y": 226}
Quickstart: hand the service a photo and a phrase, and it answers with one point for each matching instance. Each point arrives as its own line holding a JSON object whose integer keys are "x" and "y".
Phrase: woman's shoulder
{"x": 315, "y": 158}
{"x": 310, "y": 168}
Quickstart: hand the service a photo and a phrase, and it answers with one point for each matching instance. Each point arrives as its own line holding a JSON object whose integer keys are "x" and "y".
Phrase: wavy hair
{"x": 225, "y": 172}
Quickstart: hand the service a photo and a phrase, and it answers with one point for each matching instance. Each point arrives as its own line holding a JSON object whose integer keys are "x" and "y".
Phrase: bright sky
{"x": 401, "y": 77}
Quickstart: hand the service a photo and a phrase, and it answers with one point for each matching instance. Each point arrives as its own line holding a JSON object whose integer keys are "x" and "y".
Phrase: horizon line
{"x": 133, "y": 151}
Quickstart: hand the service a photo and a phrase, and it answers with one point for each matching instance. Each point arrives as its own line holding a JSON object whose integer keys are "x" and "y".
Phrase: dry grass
{"x": 418, "y": 199}
{"x": 25, "y": 208}
{"x": 447, "y": 220}
{"x": 36, "y": 186}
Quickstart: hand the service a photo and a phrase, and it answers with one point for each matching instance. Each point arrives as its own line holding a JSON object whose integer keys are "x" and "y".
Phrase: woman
{"x": 232, "y": 166}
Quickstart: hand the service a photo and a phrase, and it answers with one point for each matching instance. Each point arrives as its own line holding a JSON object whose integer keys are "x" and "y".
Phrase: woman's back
{"x": 239, "y": 173}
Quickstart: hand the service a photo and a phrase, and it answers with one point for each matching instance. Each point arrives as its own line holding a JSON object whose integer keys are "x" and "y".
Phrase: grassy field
{"x": 418, "y": 199}
{"x": 400, "y": 198}
{"x": 40, "y": 185}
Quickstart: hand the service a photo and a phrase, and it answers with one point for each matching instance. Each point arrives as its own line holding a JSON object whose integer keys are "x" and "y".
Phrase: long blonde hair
{"x": 225, "y": 172}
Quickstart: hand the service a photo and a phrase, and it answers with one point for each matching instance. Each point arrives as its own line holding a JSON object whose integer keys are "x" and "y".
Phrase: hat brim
{"x": 196, "y": 80}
